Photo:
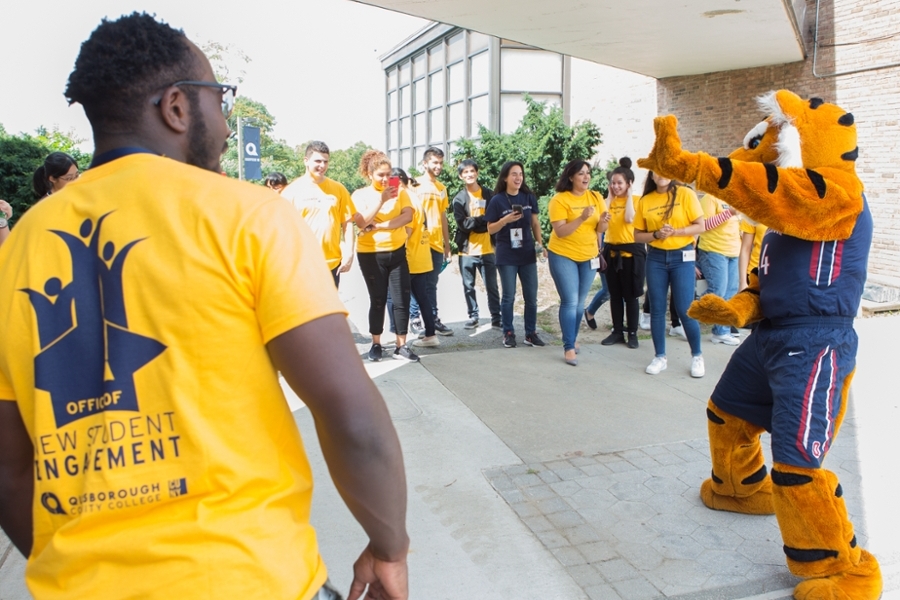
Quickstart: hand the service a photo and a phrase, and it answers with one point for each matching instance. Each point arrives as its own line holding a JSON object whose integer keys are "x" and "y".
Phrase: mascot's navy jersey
{"x": 830, "y": 275}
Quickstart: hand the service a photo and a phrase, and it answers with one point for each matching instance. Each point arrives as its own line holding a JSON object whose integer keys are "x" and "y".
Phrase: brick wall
{"x": 716, "y": 110}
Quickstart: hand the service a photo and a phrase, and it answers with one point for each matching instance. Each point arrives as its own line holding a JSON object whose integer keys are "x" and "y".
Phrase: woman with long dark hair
{"x": 668, "y": 218}
{"x": 512, "y": 217}
{"x": 579, "y": 217}
{"x": 58, "y": 170}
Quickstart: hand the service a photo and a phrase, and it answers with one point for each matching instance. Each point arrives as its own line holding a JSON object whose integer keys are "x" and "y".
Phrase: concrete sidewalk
{"x": 530, "y": 479}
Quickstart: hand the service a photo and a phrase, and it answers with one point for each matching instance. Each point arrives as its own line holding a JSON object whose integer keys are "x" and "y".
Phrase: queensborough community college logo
{"x": 88, "y": 364}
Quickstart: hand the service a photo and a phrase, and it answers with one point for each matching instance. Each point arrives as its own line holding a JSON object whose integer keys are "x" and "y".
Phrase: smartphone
{"x": 394, "y": 182}
{"x": 517, "y": 208}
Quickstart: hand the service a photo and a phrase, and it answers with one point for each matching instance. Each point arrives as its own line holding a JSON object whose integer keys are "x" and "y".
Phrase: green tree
{"x": 542, "y": 142}
{"x": 343, "y": 166}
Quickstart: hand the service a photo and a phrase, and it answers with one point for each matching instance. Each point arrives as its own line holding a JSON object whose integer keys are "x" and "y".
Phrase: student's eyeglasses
{"x": 228, "y": 93}
{"x": 69, "y": 178}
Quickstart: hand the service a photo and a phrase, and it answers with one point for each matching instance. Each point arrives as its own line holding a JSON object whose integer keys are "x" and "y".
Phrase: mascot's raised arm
{"x": 796, "y": 174}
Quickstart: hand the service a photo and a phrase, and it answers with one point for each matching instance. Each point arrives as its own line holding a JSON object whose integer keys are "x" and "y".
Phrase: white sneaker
{"x": 658, "y": 364}
{"x": 677, "y": 332}
{"x": 697, "y": 367}
{"x": 727, "y": 339}
{"x": 432, "y": 342}
{"x": 644, "y": 322}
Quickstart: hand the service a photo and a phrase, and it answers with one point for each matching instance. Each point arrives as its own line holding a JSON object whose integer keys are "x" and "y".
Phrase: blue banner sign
{"x": 252, "y": 166}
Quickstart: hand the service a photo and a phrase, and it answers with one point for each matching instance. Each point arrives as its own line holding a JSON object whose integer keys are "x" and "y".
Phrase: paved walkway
{"x": 529, "y": 479}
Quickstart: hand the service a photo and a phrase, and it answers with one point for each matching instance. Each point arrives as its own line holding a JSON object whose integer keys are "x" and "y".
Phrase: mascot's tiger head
{"x": 811, "y": 134}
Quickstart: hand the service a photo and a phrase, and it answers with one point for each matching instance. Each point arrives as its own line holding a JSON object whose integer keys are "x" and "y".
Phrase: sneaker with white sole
{"x": 727, "y": 339}
{"x": 442, "y": 329}
{"x": 404, "y": 353}
{"x": 657, "y": 365}
{"x": 644, "y": 322}
{"x": 375, "y": 352}
{"x": 471, "y": 323}
{"x": 698, "y": 369}
{"x": 430, "y": 342}
{"x": 532, "y": 339}
{"x": 509, "y": 339}
{"x": 677, "y": 332}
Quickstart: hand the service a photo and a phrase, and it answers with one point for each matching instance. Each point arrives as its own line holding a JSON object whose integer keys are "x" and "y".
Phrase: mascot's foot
{"x": 759, "y": 503}
{"x": 862, "y": 582}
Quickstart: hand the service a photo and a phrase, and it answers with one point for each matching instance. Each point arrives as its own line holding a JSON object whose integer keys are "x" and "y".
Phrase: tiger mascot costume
{"x": 796, "y": 174}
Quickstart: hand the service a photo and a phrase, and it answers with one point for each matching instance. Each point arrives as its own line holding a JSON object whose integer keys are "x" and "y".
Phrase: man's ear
{"x": 174, "y": 109}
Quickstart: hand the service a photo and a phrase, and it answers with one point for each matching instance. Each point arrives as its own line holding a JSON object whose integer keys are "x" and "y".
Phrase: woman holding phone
{"x": 579, "y": 218}
{"x": 668, "y": 218}
{"x": 384, "y": 213}
{"x": 512, "y": 215}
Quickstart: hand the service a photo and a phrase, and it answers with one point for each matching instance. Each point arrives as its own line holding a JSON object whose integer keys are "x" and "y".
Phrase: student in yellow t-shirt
{"x": 579, "y": 218}
{"x": 752, "y": 234}
{"x": 383, "y": 212}
{"x": 146, "y": 446}
{"x": 668, "y": 217}
{"x": 717, "y": 257}
{"x": 326, "y": 206}
{"x": 476, "y": 251}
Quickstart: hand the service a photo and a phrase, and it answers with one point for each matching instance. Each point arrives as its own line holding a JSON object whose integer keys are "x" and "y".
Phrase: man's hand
{"x": 6, "y": 209}
{"x": 385, "y": 580}
{"x": 668, "y": 158}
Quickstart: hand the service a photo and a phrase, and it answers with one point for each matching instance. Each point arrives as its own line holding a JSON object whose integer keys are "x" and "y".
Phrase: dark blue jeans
{"x": 485, "y": 264}
{"x": 665, "y": 268}
{"x": 721, "y": 274}
{"x": 600, "y": 297}
{"x": 528, "y": 276}
{"x": 431, "y": 281}
{"x": 573, "y": 282}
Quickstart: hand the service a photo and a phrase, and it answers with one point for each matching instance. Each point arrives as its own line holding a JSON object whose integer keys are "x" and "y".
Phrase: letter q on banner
{"x": 252, "y": 166}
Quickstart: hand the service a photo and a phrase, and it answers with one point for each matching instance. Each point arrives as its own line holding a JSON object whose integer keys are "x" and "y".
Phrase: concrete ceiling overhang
{"x": 658, "y": 38}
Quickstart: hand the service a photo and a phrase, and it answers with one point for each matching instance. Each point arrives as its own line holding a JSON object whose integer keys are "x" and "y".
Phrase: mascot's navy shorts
{"x": 788, "y": 378}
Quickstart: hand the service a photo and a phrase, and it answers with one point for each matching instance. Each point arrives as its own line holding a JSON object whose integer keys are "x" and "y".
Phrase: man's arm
{"x": 446, "y": 229}
{"x": 358, "y": 441}
{"x": 16, "y": 477}
{"x": 348, "y": 247}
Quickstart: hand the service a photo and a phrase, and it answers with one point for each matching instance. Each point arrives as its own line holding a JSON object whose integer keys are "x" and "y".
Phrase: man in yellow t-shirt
{"x": 327, "y": 208}
{"x": 717, "y": 258}
{"x": 146, "y": 447}
{"x": 476, "y": 252}
{"x": 434, "y": 201}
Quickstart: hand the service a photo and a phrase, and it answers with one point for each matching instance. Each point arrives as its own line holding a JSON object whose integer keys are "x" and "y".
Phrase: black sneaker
{"x": 509, "y": 339}
{"x": 532, "y": 339}
{"x": 404, "y": 353}
{"x": 442, "y": 329}
{"x": 376, "y": 352}
{"x": 471, "y": 323}
{"x": 614, "y": 338}
{"x": 632, "y": 341}
{"x": 496, "y": 324}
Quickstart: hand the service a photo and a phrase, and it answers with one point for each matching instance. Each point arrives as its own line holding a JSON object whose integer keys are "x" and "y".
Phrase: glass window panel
{"x": 436, "y": 57}
{"x": 456, "y": 48}
{"x": 530, "y": 70}
{"x": 436, "y": 83}
{"x": 456, "y": 126}
{"x": 395, "y": 157}
{"x": 392, "y": 79}
{"x": 393, "y": 136}
{"x": 405, "y": 157}
{"x": 479, "y": 74}
{"x": 453, "y": 148}
{"x": 512, "y": 109}
{"x": 420, "y": 154}
{"x": 392, "y": 105}
{"x": 481, "y": 114}
{"x": 420, "y": 130}
{"x": 477, "y": 41}
{"x": 457, "y": 88}
{"x": 405, "y": 72}
{"x": 405, "y": 103}
{"x": 420, "y": 93}
{"x": 436, "y": 128}
{"x": 405, "y": 132}
{"x": 419, "y": 64}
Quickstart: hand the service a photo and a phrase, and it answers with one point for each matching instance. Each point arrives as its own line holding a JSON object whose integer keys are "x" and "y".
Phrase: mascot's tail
{"x": 739, "y": 482}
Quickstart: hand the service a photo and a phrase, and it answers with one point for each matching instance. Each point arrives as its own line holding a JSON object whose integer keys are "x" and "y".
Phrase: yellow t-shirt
{"x": 380, "y": 240}
{"x": 620, "y": 232}
{"x": 651, "y": 211}
{"x": 724, "y": 239}
{"x": 326, "y": 207}
{"x": 759, "y": 231}
{"x": 434, "y": 202}
{"x": 581, "y": 244}
{"x": 479, "y": 243}
{"x": 135, "y": 307}
{"x": 418, "y": 253}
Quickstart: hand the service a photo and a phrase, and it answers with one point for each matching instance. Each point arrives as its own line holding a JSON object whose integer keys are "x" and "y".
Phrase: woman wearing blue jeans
{"x": 668, "y": 217}
{"x": 579, "y": 218}
{"x": 512, "y": 216}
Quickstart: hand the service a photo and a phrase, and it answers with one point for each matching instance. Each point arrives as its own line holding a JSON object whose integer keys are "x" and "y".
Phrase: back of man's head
{"x": 122, "y": 64}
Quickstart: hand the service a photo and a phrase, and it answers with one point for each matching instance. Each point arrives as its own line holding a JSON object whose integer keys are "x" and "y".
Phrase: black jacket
{"x": 465, "y": 223}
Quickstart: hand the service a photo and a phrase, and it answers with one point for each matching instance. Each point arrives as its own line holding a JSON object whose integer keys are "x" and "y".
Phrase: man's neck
{"x": 473, "y": 187}
{"x": 317, "y": 179}
{"x": 430, "y": 176}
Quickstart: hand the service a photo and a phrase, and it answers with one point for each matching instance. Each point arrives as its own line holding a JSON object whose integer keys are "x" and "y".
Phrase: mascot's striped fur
{"x": 795, "y": 173}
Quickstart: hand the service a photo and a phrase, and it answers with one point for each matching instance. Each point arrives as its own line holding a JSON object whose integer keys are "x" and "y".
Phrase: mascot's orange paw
{"x": 759, "y": 503}
{"x": 715, "y": 310}
{"x": 862, "y": 582}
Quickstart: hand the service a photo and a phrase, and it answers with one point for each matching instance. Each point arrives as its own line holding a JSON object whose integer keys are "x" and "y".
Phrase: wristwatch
{"x": 4, "y": 223}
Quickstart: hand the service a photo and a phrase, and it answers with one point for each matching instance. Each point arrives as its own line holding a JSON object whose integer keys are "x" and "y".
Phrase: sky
{"x": 313, "y": 63}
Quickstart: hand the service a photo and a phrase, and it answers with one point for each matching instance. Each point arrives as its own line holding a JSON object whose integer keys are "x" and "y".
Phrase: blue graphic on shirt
{"x": 88, "y": 356}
